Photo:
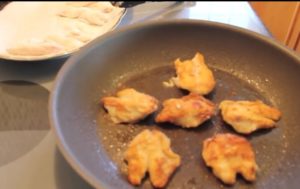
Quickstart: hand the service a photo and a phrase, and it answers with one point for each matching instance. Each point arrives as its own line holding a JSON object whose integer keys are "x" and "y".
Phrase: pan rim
{"x": 63, "y": 145}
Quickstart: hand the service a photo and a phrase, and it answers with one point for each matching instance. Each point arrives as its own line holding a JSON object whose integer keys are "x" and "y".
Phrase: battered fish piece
{"x": 68, "y": 43}
{"x": 103, "y": 6}
{"x": 80, "y": 3}
{"x": 94, "y": 13}
{"x": 88, "y": 15}
{"x": 129, "y": 106}
{"x": 194, "y": 75}
{"x": 35, "y": 47}
{"x": 248, "y": 116}
{"x": 228, "y": 155}
{"x": 188, "y": 111}
{"x": 150, "y": 151}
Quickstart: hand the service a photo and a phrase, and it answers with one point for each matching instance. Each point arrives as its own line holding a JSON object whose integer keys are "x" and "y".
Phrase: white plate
{"x": 33, "y": 22}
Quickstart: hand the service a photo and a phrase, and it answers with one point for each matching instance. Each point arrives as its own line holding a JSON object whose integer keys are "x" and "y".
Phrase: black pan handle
{"x": 3, "y": 4}
{"x": 126, "y": 4}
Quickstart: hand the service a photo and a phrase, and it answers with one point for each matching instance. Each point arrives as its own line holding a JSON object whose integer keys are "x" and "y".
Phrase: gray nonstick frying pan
{"x": 247, "y": 66}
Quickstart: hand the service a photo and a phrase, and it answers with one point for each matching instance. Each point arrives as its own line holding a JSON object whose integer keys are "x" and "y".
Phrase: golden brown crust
{"x": 129, "y": 106}
{"x": 150, "y": 151}
{"x": 188, "y": 111}
{"x": 228, "y": 155}
{"x": 247, "y": 116}
{"x": 194, "y": 75}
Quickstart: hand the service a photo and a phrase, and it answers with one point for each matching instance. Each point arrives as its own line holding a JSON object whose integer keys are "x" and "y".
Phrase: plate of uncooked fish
{"x": 32, "y": 31}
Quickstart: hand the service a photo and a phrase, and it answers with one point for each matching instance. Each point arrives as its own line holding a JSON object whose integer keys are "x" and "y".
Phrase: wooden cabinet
{"x": 282, "y": 19}
{"x": 294, "y": 36}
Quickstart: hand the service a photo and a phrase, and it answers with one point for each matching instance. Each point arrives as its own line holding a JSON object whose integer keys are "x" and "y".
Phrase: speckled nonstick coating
{"x": 246, "y": 66}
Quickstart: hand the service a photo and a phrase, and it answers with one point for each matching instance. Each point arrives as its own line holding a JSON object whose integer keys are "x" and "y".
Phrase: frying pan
{"x": 247, "y": 66}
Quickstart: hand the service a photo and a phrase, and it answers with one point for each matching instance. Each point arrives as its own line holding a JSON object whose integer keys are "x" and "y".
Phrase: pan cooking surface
{"x": 187, "y": 143}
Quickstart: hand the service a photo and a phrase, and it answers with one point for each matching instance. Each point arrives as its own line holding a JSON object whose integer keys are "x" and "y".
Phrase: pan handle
{"x": 126, "y": 4}
{"x": 3, "y": 4}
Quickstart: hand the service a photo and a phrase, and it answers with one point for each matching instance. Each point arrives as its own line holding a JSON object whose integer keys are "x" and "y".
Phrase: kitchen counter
{"x": 29, "y": 158}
